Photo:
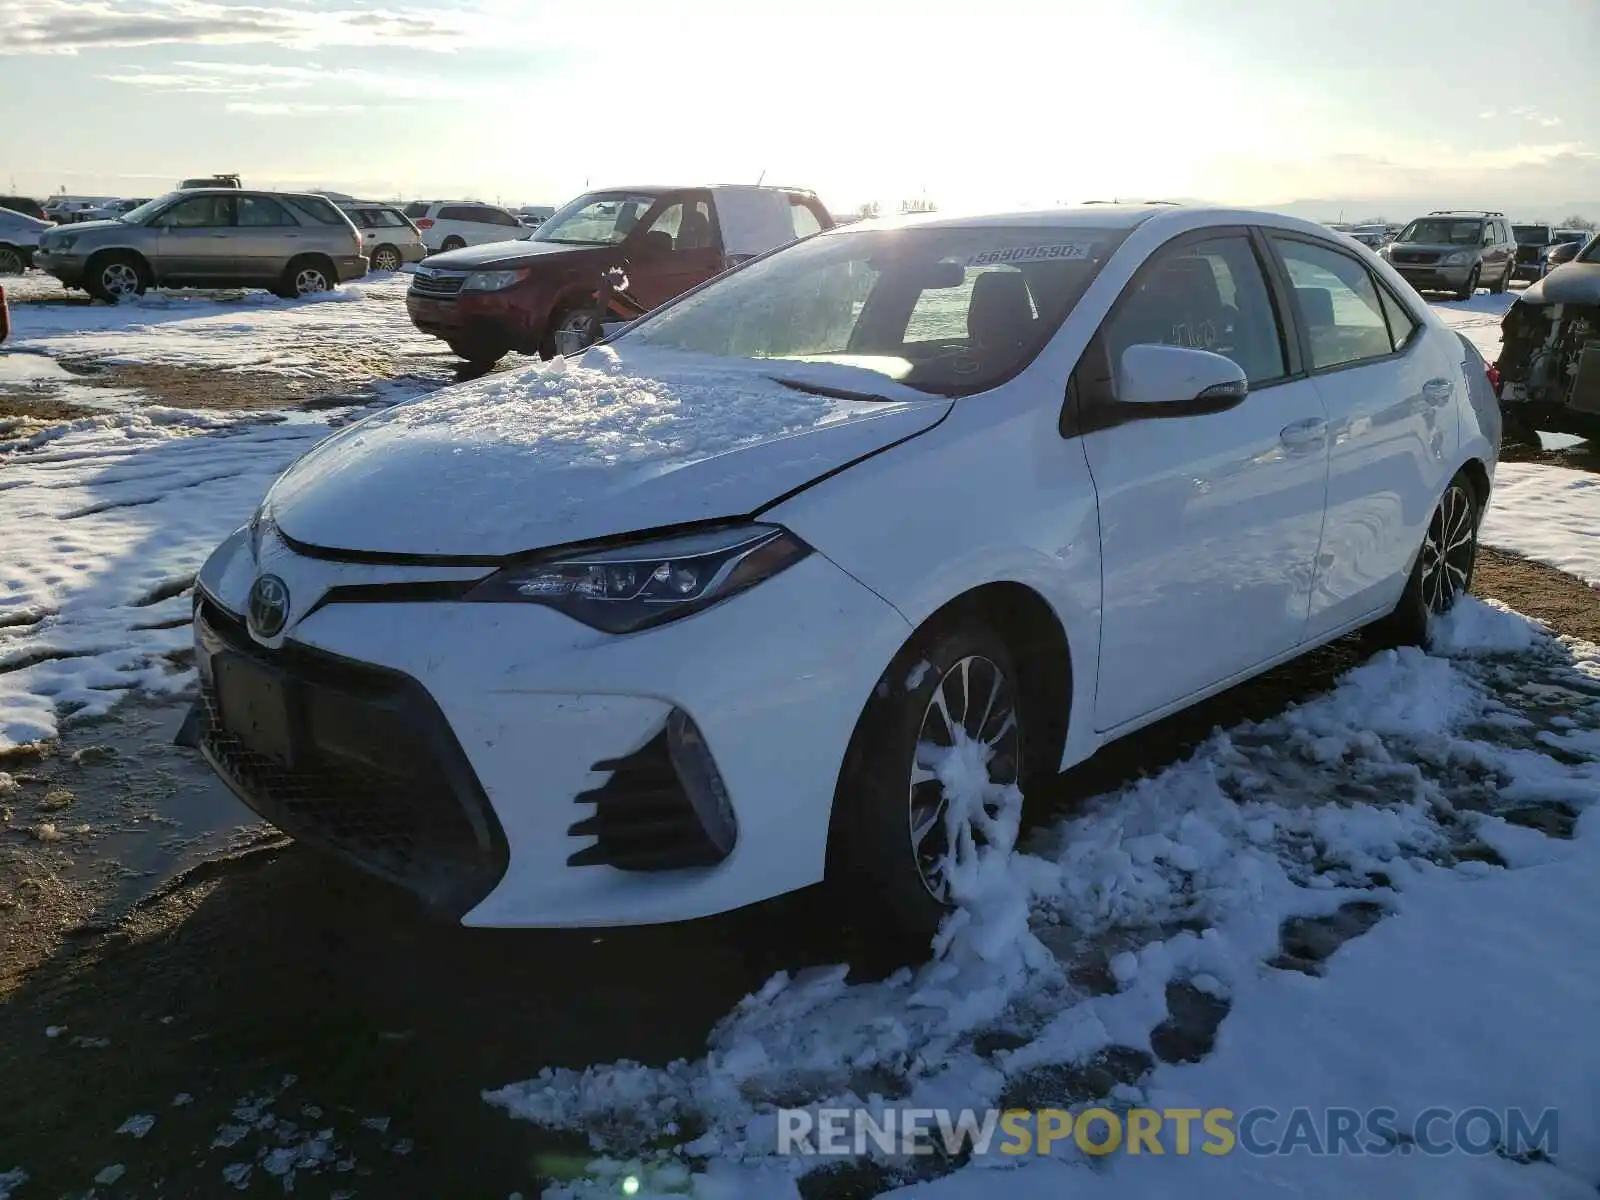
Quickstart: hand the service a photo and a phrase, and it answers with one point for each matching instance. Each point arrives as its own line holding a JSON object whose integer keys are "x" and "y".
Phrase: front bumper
{"x": 560, "y": 728}
{"x": 1433, "y": 277}
{"x": 515, "y": 317}
{"x": 68, "y": 268}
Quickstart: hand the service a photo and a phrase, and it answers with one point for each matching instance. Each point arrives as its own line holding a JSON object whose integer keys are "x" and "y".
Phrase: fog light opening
{"x": 702, "y": 783}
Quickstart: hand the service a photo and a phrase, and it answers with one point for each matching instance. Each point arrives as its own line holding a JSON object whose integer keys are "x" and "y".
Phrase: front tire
{"x": 479, "y": 354}
{"x": 1443, "y": 570}
{"x": 580, "y": 322}
{"x": 950, "y": 708}
{"x": 1470, "y": 288}
{"x": 114, "y": 276}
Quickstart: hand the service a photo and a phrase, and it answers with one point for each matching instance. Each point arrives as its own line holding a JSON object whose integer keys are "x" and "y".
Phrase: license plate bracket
{"x": 255, "y": 708}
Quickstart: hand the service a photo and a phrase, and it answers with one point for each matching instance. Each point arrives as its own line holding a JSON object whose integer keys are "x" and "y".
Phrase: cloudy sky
{"x": 1381, "y": 105}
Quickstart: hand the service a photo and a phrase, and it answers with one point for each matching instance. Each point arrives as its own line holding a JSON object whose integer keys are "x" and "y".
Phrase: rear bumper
{"x": 351, "y": 266}
{"x": 1531, "y": 271}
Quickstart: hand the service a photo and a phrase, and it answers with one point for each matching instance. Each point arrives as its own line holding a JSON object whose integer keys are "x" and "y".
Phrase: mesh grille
{"x": 437, "y": 285}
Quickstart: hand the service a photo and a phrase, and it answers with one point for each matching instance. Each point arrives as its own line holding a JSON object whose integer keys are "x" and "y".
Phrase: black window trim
{"x": 1083, "y": 395}
{"x": 1274, "y": 235}
{"x": 686, "y": 197}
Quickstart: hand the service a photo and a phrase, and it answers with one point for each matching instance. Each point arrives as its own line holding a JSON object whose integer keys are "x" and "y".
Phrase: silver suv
{"x": 293, "y": 243}
{"x": 1451, "y": 251}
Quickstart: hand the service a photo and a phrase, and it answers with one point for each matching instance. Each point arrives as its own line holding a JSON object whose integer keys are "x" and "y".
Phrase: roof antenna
{"x": 761, "y": 176}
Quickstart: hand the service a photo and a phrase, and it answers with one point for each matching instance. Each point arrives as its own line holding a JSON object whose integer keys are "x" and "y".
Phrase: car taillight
{"x": 1494, "y": 376}
{"x": 424, "y": 222}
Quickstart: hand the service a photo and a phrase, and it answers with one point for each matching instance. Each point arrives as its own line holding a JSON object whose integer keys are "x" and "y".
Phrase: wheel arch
{"x": 1038, "y": 641}
{"x": 100, "y": 254}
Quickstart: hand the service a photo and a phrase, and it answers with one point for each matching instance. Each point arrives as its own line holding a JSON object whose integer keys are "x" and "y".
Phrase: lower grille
{"x": 643, "y": 819}
{"x": 1413, "y": 256}
{"x": 376, "y": 775}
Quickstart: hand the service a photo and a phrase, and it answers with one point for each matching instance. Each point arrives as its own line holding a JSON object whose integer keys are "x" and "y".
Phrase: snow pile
{"x": 106, "y": 520}
{"x": 1383, "y": 802}
{"x": 1551, "y": 514}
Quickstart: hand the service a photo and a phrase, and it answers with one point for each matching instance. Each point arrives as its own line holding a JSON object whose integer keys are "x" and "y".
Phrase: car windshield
{"x": 596, "y": 219}
{"x": 1531, "y": 234}
{"x": 950, "y": 311}
{"x": 138, "y": 216}
{"x": 1591, "y": 252}
{"x": 1437, "y": 231}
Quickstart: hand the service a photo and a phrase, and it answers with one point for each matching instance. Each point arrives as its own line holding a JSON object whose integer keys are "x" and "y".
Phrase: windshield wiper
{"x": 833, "y": 393}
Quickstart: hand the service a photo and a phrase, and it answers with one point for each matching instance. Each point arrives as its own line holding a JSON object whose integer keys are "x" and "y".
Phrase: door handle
{"x": 1299, "y": 434}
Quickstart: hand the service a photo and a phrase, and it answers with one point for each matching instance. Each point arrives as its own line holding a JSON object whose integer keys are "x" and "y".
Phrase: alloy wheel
{"x": 386, "y": 260}
{"x": 309, "y": 280}
{"x": 970, "y": 741}
{"x": 1448, "y": 551}
{"x": 120, "y": 279}
{"x": 10, "y": 261}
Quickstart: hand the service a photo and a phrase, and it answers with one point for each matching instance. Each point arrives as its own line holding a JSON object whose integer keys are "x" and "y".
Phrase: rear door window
{"x": 315, "y": 207}
{"x": 259, "y": 211}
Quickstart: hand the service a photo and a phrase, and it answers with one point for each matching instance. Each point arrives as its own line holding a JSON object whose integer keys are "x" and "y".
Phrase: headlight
{"x": 622, "y": 588}
{"x": 1456, "y": 259}
{"x": 260, "y": 523}
{"x": 493, "y": 281}
{"x": 63, "y": 243}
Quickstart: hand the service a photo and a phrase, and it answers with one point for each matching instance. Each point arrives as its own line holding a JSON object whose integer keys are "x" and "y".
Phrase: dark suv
{"x": 523, "y": 295}
{"x": 1458, "y": 252}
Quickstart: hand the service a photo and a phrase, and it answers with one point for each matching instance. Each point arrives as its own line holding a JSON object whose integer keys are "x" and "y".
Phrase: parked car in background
{"x": 63, "y": 210}
{"x": 534, "y": 215}
{"x": 19, "y": 240}
{"x": 213, "y": 181}
{"x": 1532, "y": 241}
{"x": 111, "y": 211}
{"x": 1455, "y": 251}
{"x": 1550, "y": 352}
{"x": 293, "y": 243}
{"x": 1568, "y": 245}
{"x": 388, "y": 238}
{"x": 25, "y": 205}
{"x": 452, "y": 224}
{"x": 488, "y": 300}
{"x": 726, "y": 606}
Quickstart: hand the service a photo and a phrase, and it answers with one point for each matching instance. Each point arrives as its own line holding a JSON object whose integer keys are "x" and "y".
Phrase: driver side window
{"x": 1208, "y": 295}
{"x": 200, "y": 212}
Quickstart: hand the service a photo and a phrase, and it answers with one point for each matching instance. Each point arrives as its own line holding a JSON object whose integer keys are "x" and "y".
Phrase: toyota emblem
{"x": 268, "y": 609}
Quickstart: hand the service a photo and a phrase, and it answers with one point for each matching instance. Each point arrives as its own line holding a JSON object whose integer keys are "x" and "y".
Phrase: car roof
{"x": 1084, "y": 216}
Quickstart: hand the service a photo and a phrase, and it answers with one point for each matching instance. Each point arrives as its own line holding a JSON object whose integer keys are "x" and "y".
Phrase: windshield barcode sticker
{"x": 1069, "y": 251}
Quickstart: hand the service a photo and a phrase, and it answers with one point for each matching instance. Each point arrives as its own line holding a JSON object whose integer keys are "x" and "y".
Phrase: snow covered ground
{"x": 1328, "y": 908}
{"x": 1198, "y": 915}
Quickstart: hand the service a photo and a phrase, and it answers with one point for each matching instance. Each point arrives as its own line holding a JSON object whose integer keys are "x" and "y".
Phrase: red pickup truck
{"x": 520, "y": 295}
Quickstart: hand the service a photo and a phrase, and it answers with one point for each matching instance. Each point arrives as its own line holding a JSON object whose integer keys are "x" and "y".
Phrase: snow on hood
{"x": 571, "y": 451}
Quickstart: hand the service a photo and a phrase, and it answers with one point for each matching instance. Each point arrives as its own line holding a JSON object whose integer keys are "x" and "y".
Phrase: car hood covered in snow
{"x": 608, "y": 444}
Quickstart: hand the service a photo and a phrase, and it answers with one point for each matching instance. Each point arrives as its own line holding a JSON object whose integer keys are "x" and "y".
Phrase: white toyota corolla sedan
{"x": 769, "y": 585}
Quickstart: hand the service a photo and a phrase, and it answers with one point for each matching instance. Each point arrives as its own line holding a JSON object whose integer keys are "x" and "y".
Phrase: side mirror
{"x": 1177, "y": 381}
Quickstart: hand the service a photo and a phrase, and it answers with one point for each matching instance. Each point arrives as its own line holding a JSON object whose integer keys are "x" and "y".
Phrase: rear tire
{"x": 11, "y": 261}
{"x": 1504, "y": 282}
{"x": 452, "y": 243}
{"x": 112, "y": 276}
{"x": 386, "y": 258}
{"x": 307, "y": 277}
{"x": 1443, "y": 570}
{"x": 891, "y": 822}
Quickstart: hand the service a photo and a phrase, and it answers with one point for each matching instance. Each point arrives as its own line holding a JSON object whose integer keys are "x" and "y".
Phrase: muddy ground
{"x": 277, "y": 981}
